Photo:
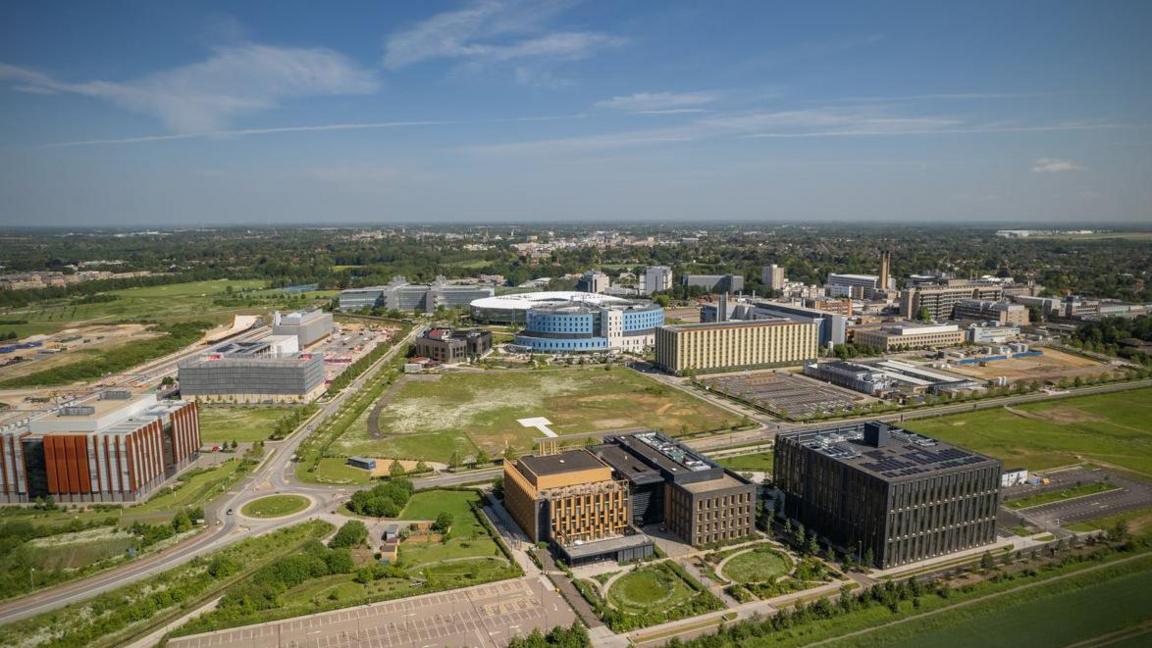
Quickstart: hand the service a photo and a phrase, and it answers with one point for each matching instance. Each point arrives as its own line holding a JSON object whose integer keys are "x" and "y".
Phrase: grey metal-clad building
{"x": 714, "y": 283}
{"x": 899, "y": 495}
{"x": 249, "y": 372}
{"x": 308, "y": 327}
{"x": 401, "y": 295}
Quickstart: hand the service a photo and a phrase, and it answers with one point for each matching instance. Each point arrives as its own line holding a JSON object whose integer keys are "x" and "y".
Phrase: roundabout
{"x": 275, "y": 506}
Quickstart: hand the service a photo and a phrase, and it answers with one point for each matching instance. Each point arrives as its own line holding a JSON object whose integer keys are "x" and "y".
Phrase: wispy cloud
{"x": 245, "y": 132}
{"x": 658, "y": 102}
{"x": 204, "y": 96}
{"x": 824, "y": 122}
{"x": 1054, "y": 165}
{"x": 495, "y": 31}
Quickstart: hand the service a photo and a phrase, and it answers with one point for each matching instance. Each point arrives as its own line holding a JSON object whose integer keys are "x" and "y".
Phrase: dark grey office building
{"x": 904, "y": 496}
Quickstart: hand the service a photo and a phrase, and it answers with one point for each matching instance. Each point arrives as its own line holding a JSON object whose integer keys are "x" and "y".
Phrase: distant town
{"x": 614, "y": 437}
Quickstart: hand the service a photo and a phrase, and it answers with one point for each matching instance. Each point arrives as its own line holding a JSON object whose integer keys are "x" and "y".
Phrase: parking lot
{"x": 481, "y": 616}
{"x": 347, "y": 344}
{"x": 784, "y": 394}
{"x": 1130, "y": 495}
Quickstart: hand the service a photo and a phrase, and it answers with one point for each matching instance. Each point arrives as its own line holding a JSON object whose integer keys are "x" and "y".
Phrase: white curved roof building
{"x": 513, "y": 309}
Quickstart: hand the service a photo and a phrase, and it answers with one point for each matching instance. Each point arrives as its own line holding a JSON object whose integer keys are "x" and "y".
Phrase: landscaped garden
{"x": 762, "y": 564}
{"x": 649, "y": 595}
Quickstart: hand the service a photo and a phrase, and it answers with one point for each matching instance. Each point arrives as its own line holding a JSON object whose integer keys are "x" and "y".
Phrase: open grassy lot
{"x": 80, "y": 549}
{"x": 1065, "y": 617}
{"x": 760, "y": 565}
{"x": 1111, "y": 428}
{"x": 194, "y": 488}
{"x": 758, "y": 462}
{"x": 243, "y": 424}
{"x": 432, "y": 419}
{"x": 275, "y": 506}
{"x": 173, "y": 302}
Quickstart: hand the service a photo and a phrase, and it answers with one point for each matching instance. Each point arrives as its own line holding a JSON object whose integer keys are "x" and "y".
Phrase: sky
{"x": 182, "y": 114}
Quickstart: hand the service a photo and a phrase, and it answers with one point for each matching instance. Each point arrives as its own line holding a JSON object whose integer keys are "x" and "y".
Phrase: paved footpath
{"x": 484, "y": 616}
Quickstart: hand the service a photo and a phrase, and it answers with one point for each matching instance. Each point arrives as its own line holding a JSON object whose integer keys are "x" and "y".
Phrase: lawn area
{"x": 334, "y": 470}
{"x": 1064, "y": 617}
{"x": 432, "y": 419}
{"x": 275, "y": 506}
{"x": 649, "y": 587}
{"x": 760, "y": 565}
{"x": 1060, "y": 495}
{"x": 80, "y": 549}
{"x": 194, "y": 488}
{"x": 758, "y": 462}
{"x": 243, "y": 424}
{"x": 466, "y": 539}
{"x": 1111, "y": 428}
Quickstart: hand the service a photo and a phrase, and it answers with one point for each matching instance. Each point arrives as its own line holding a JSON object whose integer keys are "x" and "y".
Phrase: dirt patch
{"x": 664, "y": 408}
{"x": 1067, "y": 415}
{"x": 1051, "y": 366}
{"x": 613, "y": 423}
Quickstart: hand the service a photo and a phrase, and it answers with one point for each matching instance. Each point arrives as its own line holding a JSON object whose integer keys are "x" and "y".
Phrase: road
{"x": 274, "y": 474}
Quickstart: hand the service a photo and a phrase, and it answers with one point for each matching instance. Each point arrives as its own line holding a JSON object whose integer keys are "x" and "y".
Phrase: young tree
{"x": 986, "y": 561}
{"x": 443, "y": 522}
{"x": 352, "y": 534}
{"x": 396, "y": 469}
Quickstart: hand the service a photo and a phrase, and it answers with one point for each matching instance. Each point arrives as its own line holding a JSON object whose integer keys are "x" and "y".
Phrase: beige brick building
{"x": 734, "y": 345}
{"x": 910, "y": 336}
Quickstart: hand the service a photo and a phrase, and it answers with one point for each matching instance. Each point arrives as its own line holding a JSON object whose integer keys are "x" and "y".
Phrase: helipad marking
{"x": 540, "y": 423}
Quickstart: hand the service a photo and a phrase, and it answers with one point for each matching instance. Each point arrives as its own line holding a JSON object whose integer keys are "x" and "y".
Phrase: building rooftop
{"x": 735, "y": 324}
{"x": 524, "y": 301}
{"x": 720, "y": 483}
{"x": 576, "y": 551}
{"x": 903, "y": 455}
{"x": 564, "y": 462}
{"x": 628, "y": 465}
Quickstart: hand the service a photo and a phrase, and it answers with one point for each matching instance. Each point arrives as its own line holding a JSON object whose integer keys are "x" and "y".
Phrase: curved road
{"x": 274, "y": 474}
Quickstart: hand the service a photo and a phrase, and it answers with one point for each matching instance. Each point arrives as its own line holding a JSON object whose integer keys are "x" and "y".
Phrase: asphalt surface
{"x": 474, "y": 617}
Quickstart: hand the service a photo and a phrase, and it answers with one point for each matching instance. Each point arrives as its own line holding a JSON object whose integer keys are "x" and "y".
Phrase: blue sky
{"x": 190, "y": 113}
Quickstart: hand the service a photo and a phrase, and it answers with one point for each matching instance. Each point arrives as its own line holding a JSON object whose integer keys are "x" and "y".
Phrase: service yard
{"x": 1050, "y": 366}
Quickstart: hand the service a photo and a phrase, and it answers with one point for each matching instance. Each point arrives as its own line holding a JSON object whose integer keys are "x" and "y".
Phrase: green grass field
{"x": 243, "y": 424}
{"x": 80, "y": 549}
{"x": 174, "y": 302}
{"x": 431, "y": 420}
{"x": 1064, "y": 618}
{"x": 1111, "y": 428}
{"x": 195, "y": 488}
{"x": 649, "y": 587}
{"x": 275, "y": 506}
{"x": 466, "y": 539}
{"x": 760, "y": 565}
{"x": 758, "y": 462}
